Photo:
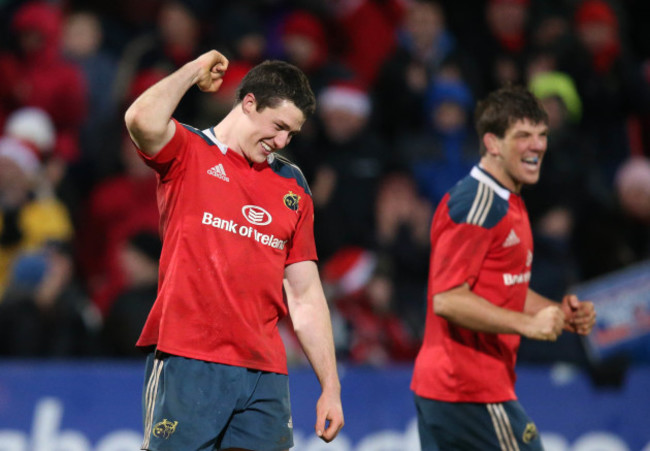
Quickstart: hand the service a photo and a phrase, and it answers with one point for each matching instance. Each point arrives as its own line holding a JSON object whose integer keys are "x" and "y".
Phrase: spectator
{"x": 83, "y": 36}
{"x": 351, "y": 160}
{"x": 632, "y": 186}
{"x": 357, "y": 20}
{"x": 425, "y": 46}
{"x": 444, "y": 151}
{"x": 609, "y": 81}
{"x": 30, "y": 212}
{"x": 403, "y": 219}
{"x": 240, "y": 28}
{"x": 502, "y": 43}
{"x": 620, "y": 227}
{"x": 34, "y": 73}
{"x": 177, "y": 39}
{"x": 43, "y": 312}
{"x": 116, "y": 208}
{"x": 362, "y": 292}
{"x": 139, "y": 257}
{"x": 304, "y": 43}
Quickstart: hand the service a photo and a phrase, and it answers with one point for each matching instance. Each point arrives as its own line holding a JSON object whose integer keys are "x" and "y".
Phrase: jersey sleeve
{"x": 457, "y": 255}
{"x": 303, "y": 247}
{"x": 462, "y": 233}
{"x": 168, "y": 160}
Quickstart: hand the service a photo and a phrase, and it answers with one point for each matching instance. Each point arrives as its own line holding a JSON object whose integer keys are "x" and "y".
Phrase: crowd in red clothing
{"x": 396, "y": 83}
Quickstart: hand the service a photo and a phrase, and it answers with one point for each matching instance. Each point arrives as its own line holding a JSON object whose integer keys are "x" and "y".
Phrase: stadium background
{"x": 396, "y": 83}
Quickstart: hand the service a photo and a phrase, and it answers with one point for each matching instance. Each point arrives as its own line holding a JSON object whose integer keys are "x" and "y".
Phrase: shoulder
{"x": 283, "y": 167}
{"x": 184, "y": 128}
{"x": 478, "y": 200}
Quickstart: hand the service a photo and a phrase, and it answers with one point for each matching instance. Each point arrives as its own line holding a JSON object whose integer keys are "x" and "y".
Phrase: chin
{"x": 530, "y": 180}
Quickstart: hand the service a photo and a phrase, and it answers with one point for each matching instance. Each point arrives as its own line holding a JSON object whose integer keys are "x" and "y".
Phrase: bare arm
{"x": 579, "y": 316}
{"x": 464, "y": 308}
{"x": 311, "y": 321}
{"x": 148, "y": 119}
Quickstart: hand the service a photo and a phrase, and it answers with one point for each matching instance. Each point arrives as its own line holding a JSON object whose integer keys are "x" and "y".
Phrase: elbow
{"x": 148, "y": 134}
{"x": 441, "y": 305}
{"x": 133, "y": 120}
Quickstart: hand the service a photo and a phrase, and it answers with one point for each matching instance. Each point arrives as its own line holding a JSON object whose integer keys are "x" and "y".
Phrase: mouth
{"x": 532, "y": 162}
{"x": 266, "y": 147}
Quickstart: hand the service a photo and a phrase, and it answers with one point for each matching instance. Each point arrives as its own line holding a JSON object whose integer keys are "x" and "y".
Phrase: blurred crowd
{"x": 396, "y": 83}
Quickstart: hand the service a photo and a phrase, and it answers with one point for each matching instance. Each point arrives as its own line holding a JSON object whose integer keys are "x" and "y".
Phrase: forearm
{"x": 148, "y": 119}
{"x": 464, "y": 308}
{"x": 536, "y": 302}
{"x": 311, "y": 321}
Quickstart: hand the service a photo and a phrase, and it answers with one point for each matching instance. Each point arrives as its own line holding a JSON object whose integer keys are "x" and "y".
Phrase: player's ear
{"x": 491, "y": 143}
{"x": 249, "y": 103}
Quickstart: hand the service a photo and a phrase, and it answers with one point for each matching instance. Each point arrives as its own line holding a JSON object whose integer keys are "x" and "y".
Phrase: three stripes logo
{"x": 512, "y": 239}
{"x": 219, "y": 172}
{"x": 481, "y": 205}
{"x": 503, "y": 428}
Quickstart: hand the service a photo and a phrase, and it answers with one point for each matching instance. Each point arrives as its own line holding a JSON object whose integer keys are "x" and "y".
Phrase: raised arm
{"x": 464, "y": 308}
{"x": 311, "y": 321}
{"x": 148, "y": 119}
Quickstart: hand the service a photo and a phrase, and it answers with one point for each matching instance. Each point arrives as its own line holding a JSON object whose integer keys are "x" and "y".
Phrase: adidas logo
{"x": 512, "y": 239}
{"x": 219, "y": 172}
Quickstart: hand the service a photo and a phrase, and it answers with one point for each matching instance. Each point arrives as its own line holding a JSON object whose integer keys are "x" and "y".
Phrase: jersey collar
{"x": 483, "y": 176}
{"x": 209, "y": 132}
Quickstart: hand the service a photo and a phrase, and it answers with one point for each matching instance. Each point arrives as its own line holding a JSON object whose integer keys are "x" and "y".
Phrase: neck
{"x": 225, "y": 131}
{"x": 492, "y": 165}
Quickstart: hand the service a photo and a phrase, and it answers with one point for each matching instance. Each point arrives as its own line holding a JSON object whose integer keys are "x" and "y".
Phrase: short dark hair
{"x": 273, "y": 81}
{"x": 505, "y": 106}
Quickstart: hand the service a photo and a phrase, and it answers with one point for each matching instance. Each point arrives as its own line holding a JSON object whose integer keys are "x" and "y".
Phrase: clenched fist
{"x": 212, "y": 67}
{"x": 547, "y": 324}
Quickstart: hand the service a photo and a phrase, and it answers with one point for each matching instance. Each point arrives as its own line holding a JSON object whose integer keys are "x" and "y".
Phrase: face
{"x": 14, "y": 183}
{"x": 342, "y": 125}
{"x": 269, "y": 130}
{"x": 516, "y": 159}
{"x": 424, "y": 22}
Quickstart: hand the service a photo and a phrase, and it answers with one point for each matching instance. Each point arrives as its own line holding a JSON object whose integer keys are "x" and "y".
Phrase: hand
{"x": 212, "y": 67}
{"x": 547, "y": 324}
{"x": 580, "y": 316}
{"x": 329, "y": 409}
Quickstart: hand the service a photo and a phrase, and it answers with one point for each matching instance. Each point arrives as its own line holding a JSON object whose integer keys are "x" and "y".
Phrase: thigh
{"x": 471, "y": 426}
{"x": 187, "y": 403}
{"x": 263, "y": 421}
{"x": 513, "y": 426}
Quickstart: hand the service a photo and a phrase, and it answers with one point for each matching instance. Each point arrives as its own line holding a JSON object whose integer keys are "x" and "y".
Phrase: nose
{"x": 282, "y": 139}
{"x": 540, "y": 142}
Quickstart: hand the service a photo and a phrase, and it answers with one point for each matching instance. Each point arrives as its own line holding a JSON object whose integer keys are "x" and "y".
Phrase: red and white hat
{"x": 23, "y": 156}
{"x": 34, "y": 126}
{"x": 349, "y": 270}
{"x": 345, "y": 96}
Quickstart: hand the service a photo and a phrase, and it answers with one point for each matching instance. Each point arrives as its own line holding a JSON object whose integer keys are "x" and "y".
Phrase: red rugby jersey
{"x": 228, "y": 230}
{"x": 480, "y": 235}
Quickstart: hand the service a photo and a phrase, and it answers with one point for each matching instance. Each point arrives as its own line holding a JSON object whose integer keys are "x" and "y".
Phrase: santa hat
{"x": 20, "y": 154}
{"x": 349, "y": 269}
{"x": 345, "y": 96}
{"x": 32, "y": 125}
